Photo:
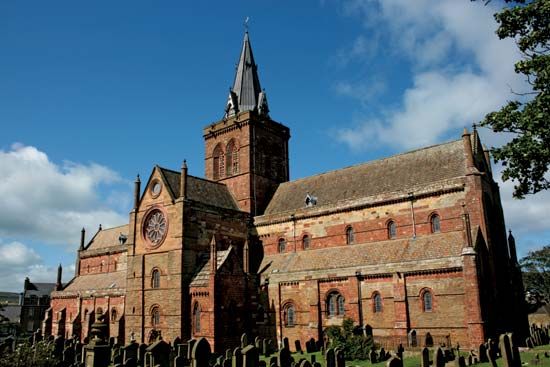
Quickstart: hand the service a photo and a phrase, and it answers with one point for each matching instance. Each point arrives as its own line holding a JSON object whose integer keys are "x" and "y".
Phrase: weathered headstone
{"x": 304, "y": 363}
{"x": 273, "y": 361}
{"x": 373, "y": 356}
{"x": 200, "y": 353}
{"x": 482, "y": 353}
{"x": 460, "y": 362}
{"x": 258, "y": 343}
{"x": 159, "y": 354}
{"x": 190, "y": 345}
{"x": 399, "y": 351}
{"x": 428, "y": 340}
{"x": 286, "y": 343}
{"x": 266, "y": 350}
{"x": 506, "y": 351}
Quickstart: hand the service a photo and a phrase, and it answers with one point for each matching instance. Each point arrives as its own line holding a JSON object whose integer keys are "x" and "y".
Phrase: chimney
{"x": 137, "y": 190}
{"x": 213, "y": 256}
{"x": 27, "y": 284}
{"x": 183, "y": 180}
{"x": 82, "y": 237}
{"x": 58, "y": 285}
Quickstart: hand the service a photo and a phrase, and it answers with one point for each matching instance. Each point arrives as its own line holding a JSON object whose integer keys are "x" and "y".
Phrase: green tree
{"x": 535, "y": 269}
{"x": 526, "y": 157}
{"x": 351, "y": 340}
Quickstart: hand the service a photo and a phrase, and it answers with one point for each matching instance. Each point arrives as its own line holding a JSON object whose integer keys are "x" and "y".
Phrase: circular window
{"x": 154, "y": 228}
{"x": 156, "y": 188}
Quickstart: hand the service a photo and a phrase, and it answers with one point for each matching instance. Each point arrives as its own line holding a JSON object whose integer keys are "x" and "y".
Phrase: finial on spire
{"x": 246, "y": 24}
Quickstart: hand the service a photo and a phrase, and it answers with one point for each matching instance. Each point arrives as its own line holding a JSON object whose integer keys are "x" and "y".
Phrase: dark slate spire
{"x": 246, "y": 94}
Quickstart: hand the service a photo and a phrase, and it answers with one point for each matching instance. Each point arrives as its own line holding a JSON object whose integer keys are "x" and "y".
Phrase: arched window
{"x": 155, "y": 279}
{"x": 335, "y": 304}
{"x": 232, "y": 158}
{"x": 427, "y": 301}
{"x": 155, "y": 316}
{"x": 435, "y": 223}
{"x": 282, "y": 245}
{"x": 289, "y": 315}
{"x": 306, "y": 241}
{"x": 113, "y": 315}
{"x": 218, "y": 162}
{"x": 392, "y": 229}
{"x": 377, "y": 302}
{"x": 350, "y": 236}
{"x": 197, "y": 318}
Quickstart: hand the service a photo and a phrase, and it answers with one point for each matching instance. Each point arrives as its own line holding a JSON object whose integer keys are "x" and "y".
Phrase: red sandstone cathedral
{"x": 412, "y": 247}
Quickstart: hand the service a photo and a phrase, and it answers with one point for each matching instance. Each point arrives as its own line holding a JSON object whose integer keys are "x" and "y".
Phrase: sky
{"x": 94, "y": 93}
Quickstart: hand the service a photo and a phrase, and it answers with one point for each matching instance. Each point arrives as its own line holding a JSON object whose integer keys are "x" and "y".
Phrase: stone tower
{"x": 247, "y": 150}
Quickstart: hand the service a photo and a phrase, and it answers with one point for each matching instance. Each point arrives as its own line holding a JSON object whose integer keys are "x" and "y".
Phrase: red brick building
{"x": 412, "y": 247}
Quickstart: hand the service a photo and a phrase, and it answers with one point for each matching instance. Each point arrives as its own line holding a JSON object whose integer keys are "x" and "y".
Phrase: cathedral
{"x": 412, "y": 247}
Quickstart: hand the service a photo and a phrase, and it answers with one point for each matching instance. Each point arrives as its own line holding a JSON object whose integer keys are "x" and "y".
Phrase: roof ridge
{"x": 197, "y": 177}
{"x": 111, "y": 228}
{"x": 371, "y": 161}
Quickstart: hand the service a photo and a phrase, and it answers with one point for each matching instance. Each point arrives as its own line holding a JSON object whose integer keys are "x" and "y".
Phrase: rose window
{"x": 155, "y": 227}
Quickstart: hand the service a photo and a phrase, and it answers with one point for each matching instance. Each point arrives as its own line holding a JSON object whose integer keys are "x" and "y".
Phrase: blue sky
{"x": 92, "y": 93}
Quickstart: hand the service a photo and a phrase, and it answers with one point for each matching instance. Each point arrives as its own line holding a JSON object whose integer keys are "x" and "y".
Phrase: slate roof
{"x": 39, "y": 289}
{"x": 399, "y": 173}
{"x": 247, "y": 83}
{"x": 203, "y": 275}
{"x": 434, "y": 246}
{"x": 201, "y": 190}
{"x": 107, "y": 237}
{"x": 92, "y": 283}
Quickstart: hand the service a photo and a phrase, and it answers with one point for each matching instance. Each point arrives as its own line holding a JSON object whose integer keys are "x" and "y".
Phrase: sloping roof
{"x": 203, "y": 275}
{"x": 11, "y": 312}
{"x": 201, "y": 190}
{"x": 402, "y": 172}
{"x": 91, "y": 283}
{"x": 107, "y": 237}
{"x": 434, "y": 246}
{"x": 39, "y": 289}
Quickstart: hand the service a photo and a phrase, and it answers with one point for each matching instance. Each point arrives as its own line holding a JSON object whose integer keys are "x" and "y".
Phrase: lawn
{"x": 412, "y": 359}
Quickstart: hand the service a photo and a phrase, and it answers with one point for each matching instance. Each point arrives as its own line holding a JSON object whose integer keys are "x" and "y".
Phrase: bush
{"x": 350, "y": 340}
{"x": 27, "y": 356}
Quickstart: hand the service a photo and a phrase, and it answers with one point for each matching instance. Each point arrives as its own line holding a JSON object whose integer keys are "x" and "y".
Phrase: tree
{"x": 535, "y": 269}
{"x": 350, "y": 340}
{"x": 526, "y": 158}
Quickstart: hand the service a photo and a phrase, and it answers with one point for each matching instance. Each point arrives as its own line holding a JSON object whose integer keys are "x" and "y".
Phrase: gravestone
{"x": 266, "y": 350}
{"x": 330, "y": 358}
{"x": 258, "y": 343}
{"x": 491, "y": 357}
{"x": 304, "y": 363}
{"x": 529, "y": 342}
{"x": 141, "y": 354}
{"x": 439, "y": 358}
{"x": 237, "y": 358}
{"x": 399, "y": 351}
{"x": 313, "y": 358}
{"x": 482, "y": 353}
{"x": 130, "y": 362}
{"x": 460, "y": 362}
{"x": 373, "y": 356}
{"x": 394, "y": 362}
{"x": 273, "y": 361}
{"x": 200, "y": 353}
{"x": 425, "y": 359}
{"x": 159, "y": 354}
{"x": 284, "y": 359}
{"x": 286, "y": 343}
{"x": 515, "y": 351}
{"x": 190, "y": 345}
{"x": 298, "y": 346}
{"x": 506, "y": 350}
{"x": 340, "y": 360}
{"x": 382, "y": 355}
{"x": 244, "y": 340}
{"x": 250, "y": 356}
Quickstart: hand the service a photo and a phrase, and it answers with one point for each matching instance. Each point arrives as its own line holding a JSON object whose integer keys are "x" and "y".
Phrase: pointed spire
{"x": 137, "y": 191}
{"x": 82, "y": 238}
{"x": 58, "y": 283}
{"x": 213, "y": 255}
{"x": 246, "y": 94}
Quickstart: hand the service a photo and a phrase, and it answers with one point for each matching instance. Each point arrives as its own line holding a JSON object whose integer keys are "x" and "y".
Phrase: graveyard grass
{"x": 412, "y": 359}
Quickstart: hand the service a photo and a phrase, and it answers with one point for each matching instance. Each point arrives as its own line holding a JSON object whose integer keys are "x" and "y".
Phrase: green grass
{"x": 412, "y": 359}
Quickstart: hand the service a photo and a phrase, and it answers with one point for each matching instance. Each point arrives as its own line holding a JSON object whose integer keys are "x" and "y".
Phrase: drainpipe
{"x": 359, "y": 298}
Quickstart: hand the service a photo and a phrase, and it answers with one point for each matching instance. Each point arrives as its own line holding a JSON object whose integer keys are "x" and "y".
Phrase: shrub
{"x": 350, "y": 340}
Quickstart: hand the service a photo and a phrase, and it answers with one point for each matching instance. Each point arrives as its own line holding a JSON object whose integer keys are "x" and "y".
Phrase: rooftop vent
{"x": 122, "y": 238}
{"x": 310, "y": 200}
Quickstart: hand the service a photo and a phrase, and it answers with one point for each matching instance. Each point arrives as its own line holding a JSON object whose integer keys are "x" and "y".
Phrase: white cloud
{"x": 17, "y": 255}
{"x": 461, "y": 70}
{"x": 51, "y": 202}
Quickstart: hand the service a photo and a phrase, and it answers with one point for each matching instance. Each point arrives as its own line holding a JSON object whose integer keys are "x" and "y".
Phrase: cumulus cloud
{"x": 461, "y": 70}
{"x": 51, "y": 202}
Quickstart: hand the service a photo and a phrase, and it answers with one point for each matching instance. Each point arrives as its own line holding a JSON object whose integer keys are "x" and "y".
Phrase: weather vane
{"x": 246, "y": 24}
